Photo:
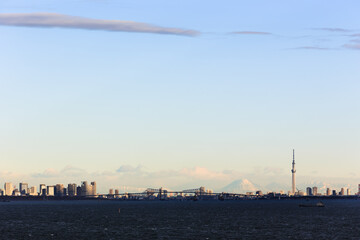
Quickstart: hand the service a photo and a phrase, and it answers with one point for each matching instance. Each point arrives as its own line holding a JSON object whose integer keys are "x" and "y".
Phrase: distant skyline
{"x": 172, "y": 93}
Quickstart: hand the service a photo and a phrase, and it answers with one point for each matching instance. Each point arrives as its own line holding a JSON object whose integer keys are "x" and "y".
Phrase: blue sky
{"x": 226, "y": 93}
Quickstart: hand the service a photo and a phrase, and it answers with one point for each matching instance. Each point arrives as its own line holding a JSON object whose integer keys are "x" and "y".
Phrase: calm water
{"x": 340, "y": 219}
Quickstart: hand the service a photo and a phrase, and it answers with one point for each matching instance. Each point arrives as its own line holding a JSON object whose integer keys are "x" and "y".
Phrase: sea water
{"x": 251, "y": 219}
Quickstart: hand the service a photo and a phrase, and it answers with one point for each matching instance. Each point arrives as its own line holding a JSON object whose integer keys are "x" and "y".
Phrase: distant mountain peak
{"x": 241, "y": 185}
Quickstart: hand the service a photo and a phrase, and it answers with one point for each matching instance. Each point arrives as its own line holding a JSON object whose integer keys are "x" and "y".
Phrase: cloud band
{"x": 50, "y": 20}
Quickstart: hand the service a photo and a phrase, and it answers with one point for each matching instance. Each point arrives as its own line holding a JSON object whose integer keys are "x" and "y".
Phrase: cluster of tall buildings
{"x": 85, "y": 189}
{"x": 314, "y": 190}
{"x": 329, "y": 192}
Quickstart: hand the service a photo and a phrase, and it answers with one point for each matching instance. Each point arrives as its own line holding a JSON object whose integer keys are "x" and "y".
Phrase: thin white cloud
{"x": 312, "y": 48}
{"x": 251, "y": 33}
{"x": 51, "y": 20}
{"x": 333, "y": 29}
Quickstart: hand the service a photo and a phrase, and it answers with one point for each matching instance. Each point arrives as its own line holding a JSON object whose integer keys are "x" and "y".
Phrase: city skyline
{"x": 86, "y": 189}
{"x": 138, "y": 94}
{"x": 239, "y": 186}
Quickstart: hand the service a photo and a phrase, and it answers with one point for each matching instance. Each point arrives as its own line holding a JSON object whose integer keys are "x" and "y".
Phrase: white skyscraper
{"x": 9, "y": 188}
{"x": 50, "y": 190}
{"x": 293, "y": 186}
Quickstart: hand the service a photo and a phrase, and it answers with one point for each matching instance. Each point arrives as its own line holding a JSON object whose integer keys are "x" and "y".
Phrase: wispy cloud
{"x": 352, "y": 46}
{"x": 312, "y": 48}
{"x": 251, "y": 33}
{"x": 332, "y": 29}
{"x": 50, "y": 20}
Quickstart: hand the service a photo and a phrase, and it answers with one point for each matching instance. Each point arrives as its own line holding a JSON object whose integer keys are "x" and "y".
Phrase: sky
{"x": 178, "y": 94}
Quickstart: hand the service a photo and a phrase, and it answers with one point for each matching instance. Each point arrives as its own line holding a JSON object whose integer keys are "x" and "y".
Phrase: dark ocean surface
{"x": 256, "y": 219}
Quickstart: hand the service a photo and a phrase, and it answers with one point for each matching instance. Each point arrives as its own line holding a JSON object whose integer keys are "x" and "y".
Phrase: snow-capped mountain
{"x": 241, "y": 186}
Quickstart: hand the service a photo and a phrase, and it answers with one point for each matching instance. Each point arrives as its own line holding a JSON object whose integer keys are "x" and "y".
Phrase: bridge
{"x": 161, "y": 194}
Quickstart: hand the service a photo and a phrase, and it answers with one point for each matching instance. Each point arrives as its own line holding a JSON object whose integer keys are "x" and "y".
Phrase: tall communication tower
{"x": 293, "y": 186}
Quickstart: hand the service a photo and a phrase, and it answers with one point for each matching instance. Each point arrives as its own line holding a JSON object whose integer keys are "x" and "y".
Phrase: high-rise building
{"x": 342, "y": 192}
{"x": 72, "y": 189}
{"x": 314, "y": 192}
{"x": 23, "y": 187}
{"x": 93, "y": 184}
{"x": 293, "y": 171}
{"x": 78, "y": 191}
{"x": 111, "y": 191}
{"x": 59, "y": 190}
{"x": 308, "y": 191}
{"x": 88, "y": 189}
{"x": 9, "y": 188}
{"x": 359, "y": 189}
{"x": 202, "y": 190}
{"x": 85, "y": 188}
{"x": 334, "y": 193}
{"x": 328, "y": 192}
{"x": 348, "y": 192}
{"x": 50, "y": 190}
{"x": 42, "y": 188}
{"x": 32, "y": 191}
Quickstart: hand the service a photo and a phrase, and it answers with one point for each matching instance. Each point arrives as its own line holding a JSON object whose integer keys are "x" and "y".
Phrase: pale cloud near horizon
{"x": 136, "y": 179}
{"x": 204, "y": 173}
{"x": 128, "y": 169}
{"x": 67, "y": 171}
{"x": 52, "y": 20}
